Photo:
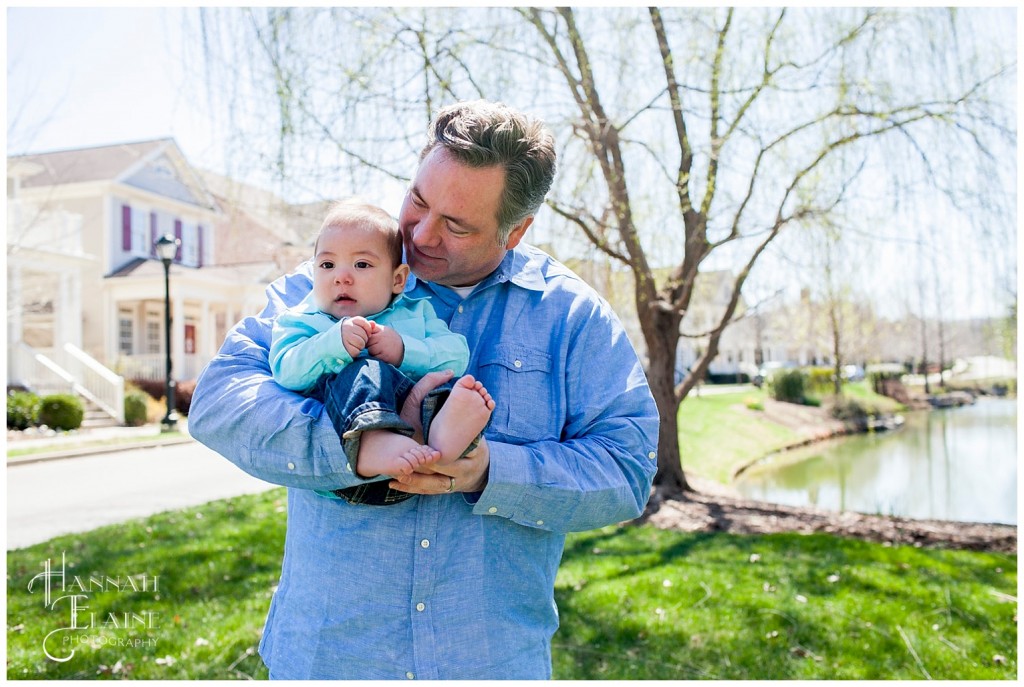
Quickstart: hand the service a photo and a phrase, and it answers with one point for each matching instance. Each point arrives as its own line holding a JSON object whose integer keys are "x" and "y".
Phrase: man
{"x": 449, "y": 585}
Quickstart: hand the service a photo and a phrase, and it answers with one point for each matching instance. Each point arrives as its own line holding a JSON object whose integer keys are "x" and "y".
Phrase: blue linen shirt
{"x": 454, "y": 586}
{"x": 306, "y": 342}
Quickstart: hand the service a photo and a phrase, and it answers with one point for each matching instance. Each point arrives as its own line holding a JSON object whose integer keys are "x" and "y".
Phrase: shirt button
{"x": 425, "y": 543}
{"x": 291, "y": 466}
{"x": 410, "y": 675}
{"x": 421, "y": 606}
{"x": 652, "y": 455}
{"x": 492, "y": 509}
{"x": 540, "y": 522}
{"x": 460, "y": 308}
{"x": 518, "y": 363}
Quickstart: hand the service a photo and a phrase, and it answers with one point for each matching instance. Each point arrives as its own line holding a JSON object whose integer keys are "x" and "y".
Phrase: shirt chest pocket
{"x": 527, "y": 403}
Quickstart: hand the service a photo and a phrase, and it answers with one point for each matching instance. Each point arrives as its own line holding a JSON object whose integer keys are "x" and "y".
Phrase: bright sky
{"x": 78, "y": 77}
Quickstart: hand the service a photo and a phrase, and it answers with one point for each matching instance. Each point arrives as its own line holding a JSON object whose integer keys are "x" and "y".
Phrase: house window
{"x": 125, "y": 332}
{"x": 189, "y": 244}
{"x": 140, "y": 232}
{"x": 152, "y": 332}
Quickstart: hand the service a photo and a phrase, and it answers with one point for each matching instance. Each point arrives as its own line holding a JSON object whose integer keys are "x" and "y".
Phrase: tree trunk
{"x": 670, "y": 480}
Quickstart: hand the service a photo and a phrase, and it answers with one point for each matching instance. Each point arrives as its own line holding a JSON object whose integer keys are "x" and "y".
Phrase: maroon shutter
{"x": 177, "y": 235}
{"x": 152, "y": 234}
{"x": 126, "y": 228}
{"x": 199, "y": 238}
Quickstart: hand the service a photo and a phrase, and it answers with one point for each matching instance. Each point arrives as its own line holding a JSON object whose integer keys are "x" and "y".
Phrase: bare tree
{"x": 691, "y": 139}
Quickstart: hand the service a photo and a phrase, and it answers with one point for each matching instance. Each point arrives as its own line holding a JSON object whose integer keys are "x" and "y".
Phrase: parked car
{"x": 853, "y": 373}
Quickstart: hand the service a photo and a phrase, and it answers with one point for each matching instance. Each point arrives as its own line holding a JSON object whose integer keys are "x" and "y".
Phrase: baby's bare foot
{"x": 462, "y": 417}
{"x": 382, "y": 452}
{"x": 414, "y": 460}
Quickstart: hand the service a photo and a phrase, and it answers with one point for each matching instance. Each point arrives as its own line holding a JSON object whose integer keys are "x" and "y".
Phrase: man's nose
{"x": 426, "y": 232}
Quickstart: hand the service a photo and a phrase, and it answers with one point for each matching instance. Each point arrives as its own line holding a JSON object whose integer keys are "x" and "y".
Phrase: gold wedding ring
{"x": 451, "y": 485}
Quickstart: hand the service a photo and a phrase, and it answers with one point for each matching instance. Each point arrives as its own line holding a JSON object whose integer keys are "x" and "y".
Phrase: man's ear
{"x": 516, "y": 235}
{"x": 401, "y": 275}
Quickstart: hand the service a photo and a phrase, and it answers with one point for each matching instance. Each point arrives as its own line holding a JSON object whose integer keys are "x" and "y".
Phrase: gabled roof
{"x": 87, "y": 164}
{"x": 128, "y": 163}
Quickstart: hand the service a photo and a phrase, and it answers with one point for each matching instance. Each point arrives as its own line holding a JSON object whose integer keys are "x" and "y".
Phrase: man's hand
{"x": 469, "y": 472}
{"x": 355, "y": 332}
{"x": 385, "y": 344}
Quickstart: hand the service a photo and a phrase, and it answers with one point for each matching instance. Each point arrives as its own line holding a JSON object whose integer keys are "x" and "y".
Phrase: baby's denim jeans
{"x": 367, "y": 394}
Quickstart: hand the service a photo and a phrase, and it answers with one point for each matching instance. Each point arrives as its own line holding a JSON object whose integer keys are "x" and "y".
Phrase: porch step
{"x": 94, "y": 417}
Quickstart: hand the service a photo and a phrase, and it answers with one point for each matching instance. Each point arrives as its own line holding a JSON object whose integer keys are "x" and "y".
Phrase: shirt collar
{"x": 521, "y": 266}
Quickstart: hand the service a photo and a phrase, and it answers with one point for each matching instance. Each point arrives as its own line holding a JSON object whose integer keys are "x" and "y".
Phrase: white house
{"x": 85, "y": 290}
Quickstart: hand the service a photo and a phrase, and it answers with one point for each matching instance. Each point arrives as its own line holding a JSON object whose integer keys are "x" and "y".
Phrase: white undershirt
{"x": 463, "y": 291}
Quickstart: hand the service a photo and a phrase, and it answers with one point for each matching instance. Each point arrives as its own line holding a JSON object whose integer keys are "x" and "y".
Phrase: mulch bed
{"x": 713, "y": 509}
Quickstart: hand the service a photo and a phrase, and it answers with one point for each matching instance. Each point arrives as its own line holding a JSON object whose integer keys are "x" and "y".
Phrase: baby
{"x": 358, "y": 344}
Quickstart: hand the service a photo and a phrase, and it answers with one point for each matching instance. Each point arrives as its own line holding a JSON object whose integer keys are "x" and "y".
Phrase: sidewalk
{"x": 84, "y": 442}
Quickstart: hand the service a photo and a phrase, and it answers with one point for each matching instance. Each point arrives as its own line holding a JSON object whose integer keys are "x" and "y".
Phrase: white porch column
{"x": 205, "y": 347}
{"x": 14, "y": 304}
{"x": 68, "y": 315}
{"x": 177, "y": 336}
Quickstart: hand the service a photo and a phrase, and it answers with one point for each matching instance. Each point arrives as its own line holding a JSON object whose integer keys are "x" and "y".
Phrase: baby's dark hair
{"x": 367, "y": 216}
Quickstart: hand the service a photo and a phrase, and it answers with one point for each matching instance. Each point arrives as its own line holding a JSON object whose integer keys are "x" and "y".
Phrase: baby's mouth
{"x": 344, "y": 298}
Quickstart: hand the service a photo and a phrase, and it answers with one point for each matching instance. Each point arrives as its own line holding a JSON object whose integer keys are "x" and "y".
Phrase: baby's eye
{"x": 327, "y": 265}
{"x": 362, "y": 265}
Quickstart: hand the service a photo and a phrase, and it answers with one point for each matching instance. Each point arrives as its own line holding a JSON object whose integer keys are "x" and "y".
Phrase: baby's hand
{"x": 385, "y": 344}
{"x": 355, "y": 332}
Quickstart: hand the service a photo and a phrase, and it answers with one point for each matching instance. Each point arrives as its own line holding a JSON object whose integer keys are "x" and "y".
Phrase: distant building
{"x": 85, "y": 290}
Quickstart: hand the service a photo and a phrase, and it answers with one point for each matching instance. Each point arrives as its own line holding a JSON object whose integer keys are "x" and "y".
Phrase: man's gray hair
{"x": 481, "y": 133}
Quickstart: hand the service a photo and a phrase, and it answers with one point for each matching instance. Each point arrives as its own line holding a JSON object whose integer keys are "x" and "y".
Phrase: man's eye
{"x": 456, "y": 231}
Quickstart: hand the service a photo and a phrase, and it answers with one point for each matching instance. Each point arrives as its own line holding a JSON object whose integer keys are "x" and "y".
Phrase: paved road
{"x": 79, "y": 494}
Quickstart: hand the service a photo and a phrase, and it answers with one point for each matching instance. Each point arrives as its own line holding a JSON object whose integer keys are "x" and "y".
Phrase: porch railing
{"x": 101, "y": 386}
{"x": 154, "y": 367}
{"x": 68, "y": 370}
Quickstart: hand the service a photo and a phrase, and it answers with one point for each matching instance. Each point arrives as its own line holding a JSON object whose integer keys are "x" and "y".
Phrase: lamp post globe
{"x": 166, "y": 248}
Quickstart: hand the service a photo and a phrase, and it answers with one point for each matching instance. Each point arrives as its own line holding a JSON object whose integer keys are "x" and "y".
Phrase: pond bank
{"x": 717, "y": 507}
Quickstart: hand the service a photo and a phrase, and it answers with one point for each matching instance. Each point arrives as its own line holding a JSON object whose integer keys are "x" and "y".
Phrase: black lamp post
{"x": 166, "y": 249}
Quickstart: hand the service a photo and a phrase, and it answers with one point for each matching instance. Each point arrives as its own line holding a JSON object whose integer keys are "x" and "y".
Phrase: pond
{"x": 955, "y": 464}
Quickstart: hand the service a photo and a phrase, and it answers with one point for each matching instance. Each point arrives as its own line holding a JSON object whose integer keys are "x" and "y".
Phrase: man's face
{"x": 352, "y": 272}
{"x": 449, "y": 221}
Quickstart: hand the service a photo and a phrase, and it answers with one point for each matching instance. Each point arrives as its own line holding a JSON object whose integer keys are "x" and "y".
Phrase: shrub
{"x": 788, "y": 386}
{"x": 61, "y": 411}
{"x": 156, "y": 388}
{"x": 22, "y": 409}
{"x": 821, "y": 379}
{"x": 851, "y": 409}
{"x": 135, "y": 408}
{"x": 183, "y": 395}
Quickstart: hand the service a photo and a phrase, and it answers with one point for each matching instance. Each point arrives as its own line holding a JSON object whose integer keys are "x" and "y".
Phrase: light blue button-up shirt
{"x": 455, "y": 585}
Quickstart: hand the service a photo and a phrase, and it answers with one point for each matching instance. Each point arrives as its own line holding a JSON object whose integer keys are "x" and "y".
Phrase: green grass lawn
{"x": 635, "y": 603}
{"x": 717, "y": 432}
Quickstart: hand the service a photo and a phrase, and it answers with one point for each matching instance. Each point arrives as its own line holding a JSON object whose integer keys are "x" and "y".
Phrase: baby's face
{"x": 352, "y": 272}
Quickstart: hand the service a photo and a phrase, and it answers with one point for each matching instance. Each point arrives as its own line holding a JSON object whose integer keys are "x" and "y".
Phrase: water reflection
{"x": 956, "y": 464}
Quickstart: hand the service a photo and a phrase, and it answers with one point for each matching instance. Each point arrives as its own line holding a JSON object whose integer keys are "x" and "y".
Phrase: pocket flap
{"x": 517, "y": 358}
